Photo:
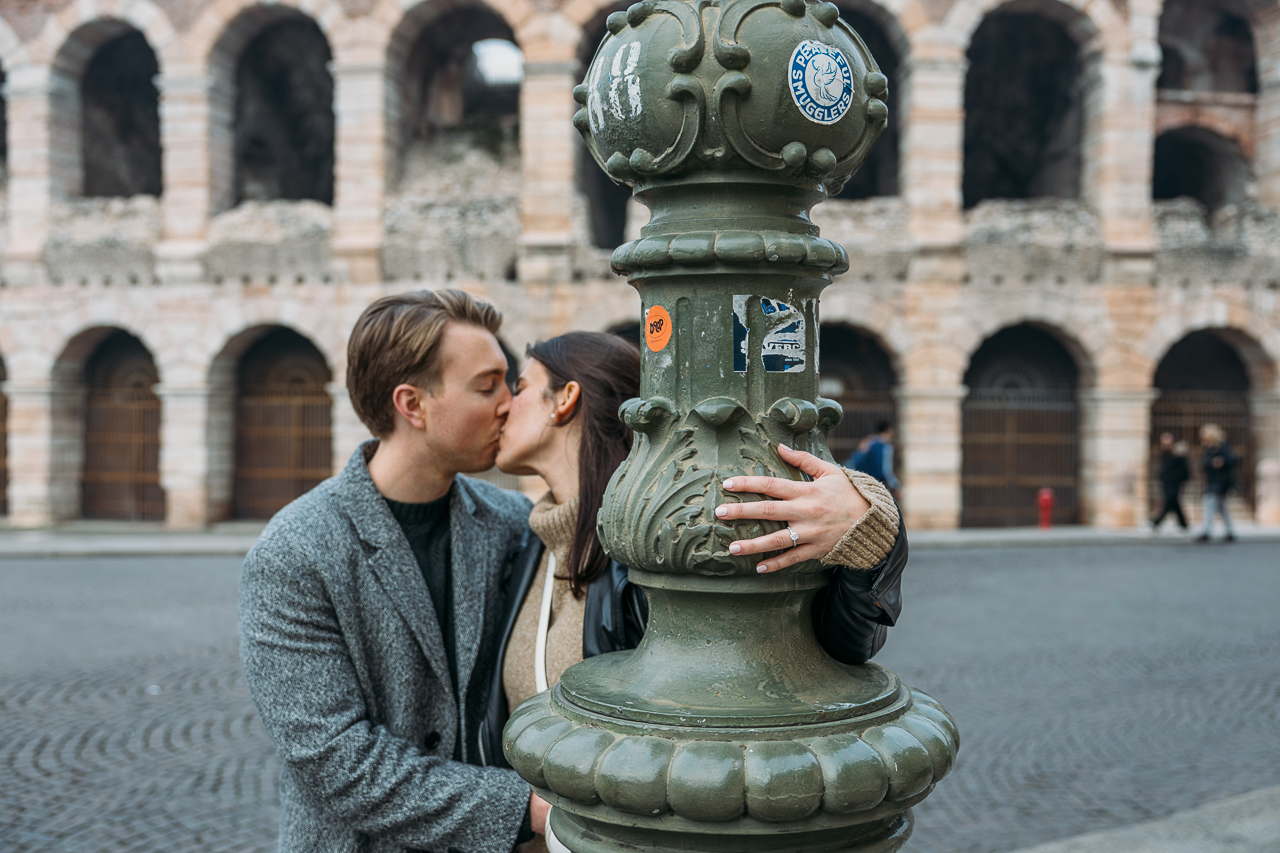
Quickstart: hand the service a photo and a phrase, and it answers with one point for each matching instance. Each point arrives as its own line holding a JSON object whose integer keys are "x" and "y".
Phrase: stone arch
{"x": 1208, "y": 47}
{"x": 1094, "y": 24}
{"x": 1020, "y": 427}
{"x": 142, "y": 15}
{"x": 1082, "y": 341}
{"x": 1259, "y": 361}
{"x": 269, "y": 430}
{"x": 889, "y": 44}
{"x": 862, "y": 372}
{"x": 222, "y": 36}
{"x": 105, "y": 417}
{"x": 81, "y": 107}
{"x": 1210, "y": 375}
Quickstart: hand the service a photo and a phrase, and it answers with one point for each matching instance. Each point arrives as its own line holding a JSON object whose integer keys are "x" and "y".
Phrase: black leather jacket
{"x": 851, "y": 617}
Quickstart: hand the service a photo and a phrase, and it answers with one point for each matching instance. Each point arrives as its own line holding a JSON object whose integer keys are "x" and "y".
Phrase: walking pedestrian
{"x": 875, "y": 456}
{"x": 1219, "y": 462}
{"x": 1173, "y": 473}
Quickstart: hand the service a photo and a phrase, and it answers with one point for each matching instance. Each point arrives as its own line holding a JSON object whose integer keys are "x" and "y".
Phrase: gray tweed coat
{"x": 343, "y": 654}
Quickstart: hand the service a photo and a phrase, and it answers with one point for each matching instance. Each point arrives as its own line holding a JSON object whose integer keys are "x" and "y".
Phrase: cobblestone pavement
{"x": 1094, "y": 687}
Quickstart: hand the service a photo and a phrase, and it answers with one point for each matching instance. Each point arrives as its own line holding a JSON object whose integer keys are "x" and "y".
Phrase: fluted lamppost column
{"x": 729, "y": 729}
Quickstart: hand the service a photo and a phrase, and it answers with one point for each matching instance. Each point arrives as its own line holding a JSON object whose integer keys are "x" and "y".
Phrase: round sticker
{"x": 657, "y": 328}
{"x": 821, "y": 82}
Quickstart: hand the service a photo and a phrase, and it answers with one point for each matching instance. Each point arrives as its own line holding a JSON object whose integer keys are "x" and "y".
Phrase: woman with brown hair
{"x": 568, "y": 600}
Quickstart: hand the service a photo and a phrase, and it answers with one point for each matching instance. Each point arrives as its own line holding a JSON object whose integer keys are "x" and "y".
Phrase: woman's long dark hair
{"x": 607, "y": 368}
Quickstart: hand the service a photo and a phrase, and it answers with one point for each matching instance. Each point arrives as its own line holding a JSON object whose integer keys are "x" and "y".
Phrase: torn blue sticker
{"x": 782, "y": 347}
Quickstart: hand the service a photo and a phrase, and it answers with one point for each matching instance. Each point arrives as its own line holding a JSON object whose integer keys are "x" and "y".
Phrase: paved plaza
{"x": 1095, "y": 687}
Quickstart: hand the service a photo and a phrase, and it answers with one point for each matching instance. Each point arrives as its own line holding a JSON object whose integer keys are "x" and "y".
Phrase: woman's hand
{"x": 820, "y": 511}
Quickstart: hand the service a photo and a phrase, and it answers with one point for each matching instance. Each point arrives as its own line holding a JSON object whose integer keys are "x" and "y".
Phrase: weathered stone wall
{"x": 497, "y": 207}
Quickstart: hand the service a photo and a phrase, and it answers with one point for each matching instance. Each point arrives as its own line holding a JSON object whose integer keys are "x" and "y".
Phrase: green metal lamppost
{"x": 729, "y": 729}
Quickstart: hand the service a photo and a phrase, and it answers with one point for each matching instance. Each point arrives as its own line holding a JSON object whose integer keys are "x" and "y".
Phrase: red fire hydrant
{"x": 1045, "y": 502}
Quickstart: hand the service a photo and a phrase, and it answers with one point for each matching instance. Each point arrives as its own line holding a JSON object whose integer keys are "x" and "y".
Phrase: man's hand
{"x": 538, "y": 809}
{"x": 820, "y": 511}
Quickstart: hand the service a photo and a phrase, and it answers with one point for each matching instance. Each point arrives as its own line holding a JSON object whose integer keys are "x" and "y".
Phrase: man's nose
{"x": 504, "y": 401}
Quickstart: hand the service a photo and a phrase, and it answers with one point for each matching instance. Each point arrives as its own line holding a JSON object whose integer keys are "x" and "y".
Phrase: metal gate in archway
{"x": 1182, "y": 413}
{"x": 120, "y": 480}
{"x": 284, "y": 424}
{"x": 1017, "y": 442}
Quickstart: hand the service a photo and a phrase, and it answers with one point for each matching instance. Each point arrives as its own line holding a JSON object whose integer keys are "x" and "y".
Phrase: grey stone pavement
{"x": 1118, "y": 697}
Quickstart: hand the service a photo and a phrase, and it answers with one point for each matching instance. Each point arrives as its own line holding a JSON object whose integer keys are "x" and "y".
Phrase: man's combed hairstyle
{"x": 397, "y": 341}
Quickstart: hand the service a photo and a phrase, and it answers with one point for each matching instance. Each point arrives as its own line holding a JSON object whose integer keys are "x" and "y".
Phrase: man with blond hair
{"x": 1219, "y": 463}
{"x": 368, "y": 606}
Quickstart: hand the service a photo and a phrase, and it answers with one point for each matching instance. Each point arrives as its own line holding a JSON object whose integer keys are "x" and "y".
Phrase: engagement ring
{"x": 795, "y": 537}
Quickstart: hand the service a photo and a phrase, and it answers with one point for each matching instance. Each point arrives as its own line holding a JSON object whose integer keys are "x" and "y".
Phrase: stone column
{"x": 360, "y": 168}
{"x": 1115, "y": 438}
{"x": 1117, "y": 154}
{"x": 30, "y": 453}
{"x": 1266, "y": 161}
{"x": 184, "y": 457}
{"x": 29, "y": 114}
{"x": 933, "y": 154}
{"x": 929, "y": 424}
{"x": 547, "y": 150}
{"x": 1265, "y": 412}
{"x": 187, "y": 201}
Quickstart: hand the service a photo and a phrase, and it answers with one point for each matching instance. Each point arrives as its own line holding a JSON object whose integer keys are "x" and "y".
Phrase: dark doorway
{"x": 1200, "y": 164}
{"x": 1202, "y": 380}
{"x": 858, "y": 374}
{"x": 1023, "y": 110}
{"x": 284, "y": 126}
{"x": 1020, "y": 430}
{"x": 284, "y": 423}
{"x": 121, "y": 476}
{"x": 878, "y": 176}
{"x": 120, "y": 119}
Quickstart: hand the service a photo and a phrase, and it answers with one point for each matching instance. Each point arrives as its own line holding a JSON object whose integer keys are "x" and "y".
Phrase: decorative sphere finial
{"x": 784, "y": 86}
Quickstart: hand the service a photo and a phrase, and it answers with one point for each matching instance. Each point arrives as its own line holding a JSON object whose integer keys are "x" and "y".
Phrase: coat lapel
{"x": 387, "y": 557}
{"x": 474, "y": 561}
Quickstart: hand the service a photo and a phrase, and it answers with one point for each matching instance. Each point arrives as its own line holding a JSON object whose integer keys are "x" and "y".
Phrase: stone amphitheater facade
{"x": 1095, "y": 221}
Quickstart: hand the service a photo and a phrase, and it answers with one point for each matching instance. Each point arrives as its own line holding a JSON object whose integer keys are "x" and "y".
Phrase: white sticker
{"x": 620, "y": 78}
{"x": 782, "y": 348}
{"x": 821, "y": 82}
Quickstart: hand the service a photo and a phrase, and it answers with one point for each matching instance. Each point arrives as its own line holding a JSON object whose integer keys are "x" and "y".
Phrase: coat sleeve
{"x": 307, "y": 689}
{"x": 852, "y": 614}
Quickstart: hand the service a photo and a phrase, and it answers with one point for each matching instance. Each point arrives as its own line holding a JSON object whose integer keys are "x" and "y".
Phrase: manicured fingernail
{"x": 735, "y": 548}
{"x": 784, "y": 447}
{"x": 728, "y": 484}
{"x": 722, "y": 511}
{"x": 762, "y": 568}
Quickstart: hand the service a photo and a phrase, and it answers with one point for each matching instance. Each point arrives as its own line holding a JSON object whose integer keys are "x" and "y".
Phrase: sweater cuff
{"x": 871, "y": 537}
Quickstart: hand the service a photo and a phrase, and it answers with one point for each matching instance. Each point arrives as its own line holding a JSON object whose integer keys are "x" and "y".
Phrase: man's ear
{"x": 567, "y": 401}
{"x": 409, "y": 400}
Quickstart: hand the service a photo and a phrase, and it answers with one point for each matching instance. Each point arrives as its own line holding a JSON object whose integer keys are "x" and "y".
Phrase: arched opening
{"x": 105, "y": 114}
{"x": 1202, "y": 379}
{"x": 1024, "y": 110}
{"x": 1200, "y": 164}
{"x": 607, "y": 203}
{"x": 858, "y": 374}
{"x": 459, "y": 96}
{"x": 120, "y": 477}
{"x": 121, "y": 119}
{"x": 1020, "y": 430}
{"x": 271, "y": 98}
{"x": 453, "y": 115}
{"x": 878, "y": 176}
{"x": 1207, "y": 46}
{"x": 284, "y": 423}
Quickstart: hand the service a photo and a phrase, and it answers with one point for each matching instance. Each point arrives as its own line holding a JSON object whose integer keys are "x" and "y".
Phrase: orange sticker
{"x": 657, "y": 328}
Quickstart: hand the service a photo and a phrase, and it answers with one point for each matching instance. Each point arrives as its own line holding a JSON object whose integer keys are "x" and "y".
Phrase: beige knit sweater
{"x": 554, "y": 525}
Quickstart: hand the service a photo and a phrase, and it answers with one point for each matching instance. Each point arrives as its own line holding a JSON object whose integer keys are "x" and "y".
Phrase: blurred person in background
{"x": 1173, "y": 474}
{"x": 1219, "y": 462}
{"x": 874, "y": 456}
